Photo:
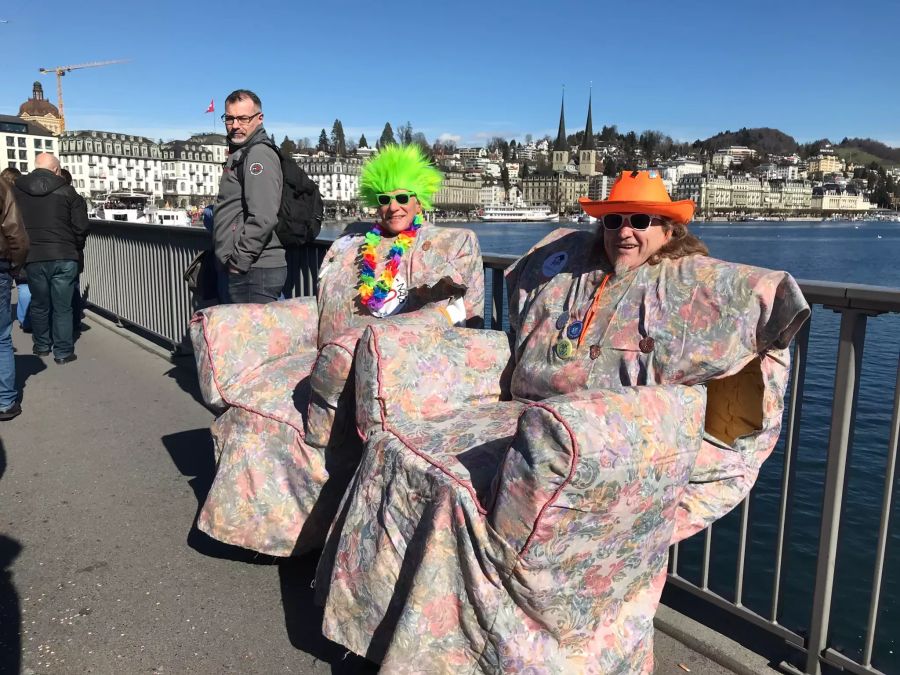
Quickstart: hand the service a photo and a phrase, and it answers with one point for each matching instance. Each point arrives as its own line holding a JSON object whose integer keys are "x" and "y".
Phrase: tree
{"x": 323, "y": 142}
{"x": 609, "y": 134}
{"x": 303, "y": 143}
{"x": 504, "y": 178}
{"x": 288, "y": 147}
{"x": 387, "y": 137}
{"x": 609, "y": 167}
{"x": 363, "y": 143}
{"x": 338, "y": 142}
{"x": 528, "y": 139}
{"x": 405, "y": 132}
{"x": 419, "y": 139}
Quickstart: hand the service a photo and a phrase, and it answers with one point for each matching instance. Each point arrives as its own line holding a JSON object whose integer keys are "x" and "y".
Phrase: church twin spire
{"x": 561, "y": 144}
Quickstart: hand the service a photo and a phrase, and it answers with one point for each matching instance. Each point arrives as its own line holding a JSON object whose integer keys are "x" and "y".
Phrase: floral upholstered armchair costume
{"x": 286, "y": 441}
{"x": 513, "y": 510}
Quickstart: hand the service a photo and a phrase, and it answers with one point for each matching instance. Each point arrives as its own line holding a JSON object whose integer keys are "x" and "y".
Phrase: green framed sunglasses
{"x": 401, "y": 197}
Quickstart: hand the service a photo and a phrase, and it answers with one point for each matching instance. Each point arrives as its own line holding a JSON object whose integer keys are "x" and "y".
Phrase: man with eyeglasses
{"x": 246, "y": 210}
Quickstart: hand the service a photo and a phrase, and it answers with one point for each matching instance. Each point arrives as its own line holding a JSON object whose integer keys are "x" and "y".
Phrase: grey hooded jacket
{"x": 245, "y": 215}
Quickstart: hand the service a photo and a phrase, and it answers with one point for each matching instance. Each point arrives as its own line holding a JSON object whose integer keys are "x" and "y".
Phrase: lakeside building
{"x": 832, "y": 197}
{"x": 23, "y": 141}
{"x": 39, "y": 110}
{"x": 104, "y": 161}
{"x": 722, "y": 195}
{"x": 782, "y": 171}
{"x": 824, "y": 163}
{"x": 557, "y": 191}
{"x": 733, "y": 154}
{"x": 190, "y": 173}
{"x": 492, "y": 194}
{"x": 458, "y": 192}
{"x": 599, "y": 187}
{"x": 674, "y": 170}
{"x": 337, "y": 177}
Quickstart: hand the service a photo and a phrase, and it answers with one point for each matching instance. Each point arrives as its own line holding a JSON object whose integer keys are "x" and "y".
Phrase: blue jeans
{"x": 24, "y": 294}
{"x": 260, "y": 285}
{"x": 8, "y": 393}
{"x": 52, "y": 283}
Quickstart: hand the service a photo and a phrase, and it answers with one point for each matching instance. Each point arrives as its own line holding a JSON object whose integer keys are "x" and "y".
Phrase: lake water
{"x": 865, "y": 253}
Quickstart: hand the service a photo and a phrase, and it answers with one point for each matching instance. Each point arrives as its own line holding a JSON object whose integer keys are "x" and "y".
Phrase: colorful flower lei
{"x": 373, "y": 294}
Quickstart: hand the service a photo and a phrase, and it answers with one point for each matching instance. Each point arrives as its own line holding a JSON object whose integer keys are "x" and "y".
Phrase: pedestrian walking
{"x": 55, "y": 217}
{"x": 13, "y": 251}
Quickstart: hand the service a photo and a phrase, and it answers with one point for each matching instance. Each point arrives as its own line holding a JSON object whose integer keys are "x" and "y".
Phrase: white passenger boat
{"x": 137, "y": 207}
{"x": 508, "y": 213}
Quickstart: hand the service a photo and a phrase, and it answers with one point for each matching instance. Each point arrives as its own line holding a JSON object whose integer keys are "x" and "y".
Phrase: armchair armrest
{"x": 426, "y": 372}
{"x": 230, "y": 340}
{"x": 585, "y": 470}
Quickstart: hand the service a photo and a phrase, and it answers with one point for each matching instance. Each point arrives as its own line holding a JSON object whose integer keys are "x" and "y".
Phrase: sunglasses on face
{"x": 401, "y": 197}
{"x": 636, "y": 221}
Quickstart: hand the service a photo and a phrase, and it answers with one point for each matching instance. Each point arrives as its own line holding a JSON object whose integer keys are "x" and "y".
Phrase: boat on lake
{"x": 509, "y": 213}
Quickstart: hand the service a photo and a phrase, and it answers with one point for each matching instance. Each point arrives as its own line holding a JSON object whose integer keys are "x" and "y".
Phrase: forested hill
{"x": 775, "y": 142}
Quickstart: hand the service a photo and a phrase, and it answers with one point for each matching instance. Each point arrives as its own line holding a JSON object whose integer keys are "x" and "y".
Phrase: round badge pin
{"x": 554, "y": 263}
{"x": 574, "y": 330}
{"x": 646, "y": 344}
{"x": 595, "y": 352}
{"x": 562, "y": 320}
{"x": 564, "y": 349}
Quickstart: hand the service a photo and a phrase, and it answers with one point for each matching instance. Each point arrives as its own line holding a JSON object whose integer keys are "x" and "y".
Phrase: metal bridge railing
{"x": 134, "y": 273}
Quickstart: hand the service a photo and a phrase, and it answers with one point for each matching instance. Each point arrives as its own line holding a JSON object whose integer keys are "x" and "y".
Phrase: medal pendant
{"x": 564, "y": 349}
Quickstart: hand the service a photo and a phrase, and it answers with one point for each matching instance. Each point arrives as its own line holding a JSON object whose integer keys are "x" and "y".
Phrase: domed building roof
{"x": 37, "y": 105}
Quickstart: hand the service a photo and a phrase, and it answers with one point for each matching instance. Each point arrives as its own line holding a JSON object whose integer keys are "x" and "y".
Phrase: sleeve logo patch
{"x": 256, "y": 168}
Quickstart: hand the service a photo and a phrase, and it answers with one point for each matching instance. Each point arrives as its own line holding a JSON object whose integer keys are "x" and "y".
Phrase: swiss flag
{"x": 212, "y": 106}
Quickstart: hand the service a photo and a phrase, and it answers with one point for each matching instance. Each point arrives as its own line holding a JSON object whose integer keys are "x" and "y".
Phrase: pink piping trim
{"x": 381, "y": 405}
{"x": 440, "y": 466}
{"x": 234, "y": 404}
{"x": 568, "y": 479}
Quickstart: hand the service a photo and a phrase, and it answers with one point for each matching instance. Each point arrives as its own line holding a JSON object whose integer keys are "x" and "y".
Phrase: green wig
{"x": 399, "y": 167}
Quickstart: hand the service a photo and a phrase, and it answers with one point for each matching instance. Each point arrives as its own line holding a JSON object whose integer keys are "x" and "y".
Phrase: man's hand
{"x": 233, "y": 270}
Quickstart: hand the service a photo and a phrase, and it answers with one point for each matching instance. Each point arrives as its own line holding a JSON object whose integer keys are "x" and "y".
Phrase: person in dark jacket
{"x": 246, "y": 210}
{"x": 56, "y": 219}
{"x": 23, "y": 294}
{"x": 13, "y": 249}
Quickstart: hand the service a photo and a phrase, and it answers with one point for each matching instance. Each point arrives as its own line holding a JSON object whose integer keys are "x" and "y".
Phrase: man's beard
{"x": 621, "y": 267}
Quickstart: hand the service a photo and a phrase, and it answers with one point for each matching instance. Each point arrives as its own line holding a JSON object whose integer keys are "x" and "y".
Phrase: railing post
{"x": 497, "y": 299}
{"x": 843, "y": 413}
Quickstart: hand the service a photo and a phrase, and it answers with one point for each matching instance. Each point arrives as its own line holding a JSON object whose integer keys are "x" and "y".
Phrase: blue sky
{"x": 467, "y": 70}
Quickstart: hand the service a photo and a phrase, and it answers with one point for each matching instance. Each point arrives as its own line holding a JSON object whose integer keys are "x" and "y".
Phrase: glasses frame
{"x": 406, "y": 196}
{"x": 626, "y": 218}
{"x": 240, "y": 119}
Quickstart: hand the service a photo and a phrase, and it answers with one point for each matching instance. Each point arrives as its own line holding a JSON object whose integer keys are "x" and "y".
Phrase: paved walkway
{"x": 100, "y": 481}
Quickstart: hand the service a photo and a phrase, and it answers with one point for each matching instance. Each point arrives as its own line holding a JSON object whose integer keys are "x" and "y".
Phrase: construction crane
{"x": 62, "y": 70}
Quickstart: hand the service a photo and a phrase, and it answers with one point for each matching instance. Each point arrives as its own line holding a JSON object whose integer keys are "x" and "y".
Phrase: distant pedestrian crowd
{"x": 44, "y": 227}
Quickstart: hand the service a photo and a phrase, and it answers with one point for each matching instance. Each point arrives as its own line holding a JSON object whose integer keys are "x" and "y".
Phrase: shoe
{"x": 66, "y": 359}
{"x": 14, "y": 411}
{"x": 40, "y": 352}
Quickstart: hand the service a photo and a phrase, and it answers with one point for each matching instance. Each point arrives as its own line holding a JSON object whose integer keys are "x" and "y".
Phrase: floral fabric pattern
{"x": 286, "y": 442}
{"x": 450, "y": 553}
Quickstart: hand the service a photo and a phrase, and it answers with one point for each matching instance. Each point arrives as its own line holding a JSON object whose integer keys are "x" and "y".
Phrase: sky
{"x": 466, "y": 70}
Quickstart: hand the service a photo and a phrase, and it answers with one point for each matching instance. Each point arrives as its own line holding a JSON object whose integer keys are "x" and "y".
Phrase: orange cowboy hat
{"x": 640, "y": 192}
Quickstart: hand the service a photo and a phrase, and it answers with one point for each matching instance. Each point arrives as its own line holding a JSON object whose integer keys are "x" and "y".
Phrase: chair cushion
{"x": 467, "y": 446}
{"x": 279, "y": 390}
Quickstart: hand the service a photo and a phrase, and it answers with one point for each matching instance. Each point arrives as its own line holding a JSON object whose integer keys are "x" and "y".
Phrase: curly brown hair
{"x": 682, "y": 244}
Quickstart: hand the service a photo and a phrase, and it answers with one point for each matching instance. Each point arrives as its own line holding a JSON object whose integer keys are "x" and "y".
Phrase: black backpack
{"x": 302, "y": 210}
